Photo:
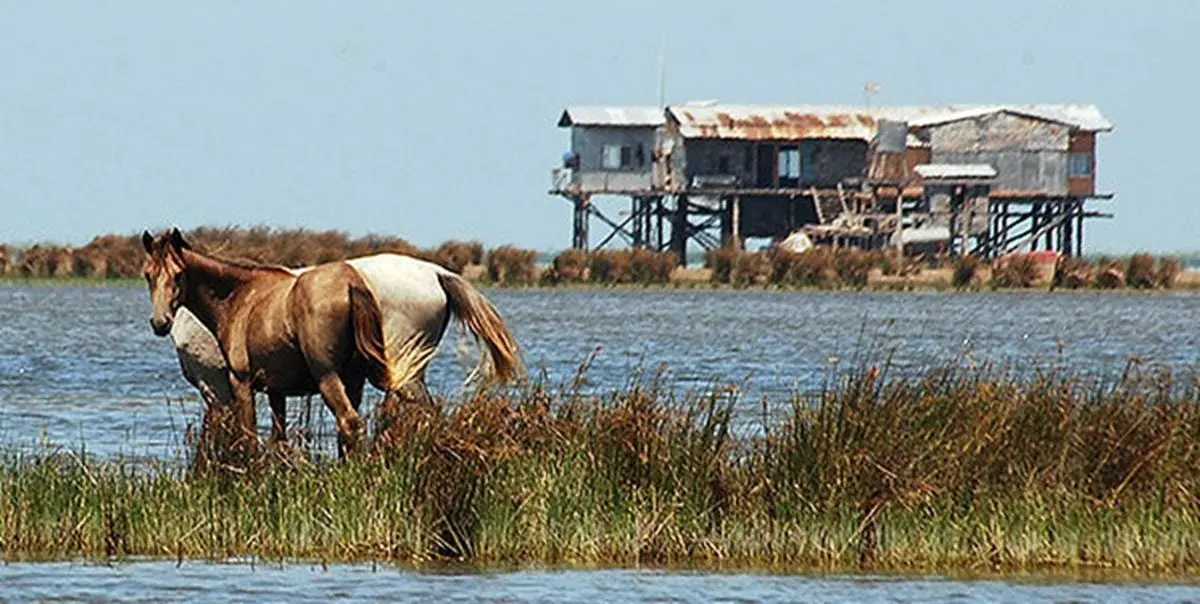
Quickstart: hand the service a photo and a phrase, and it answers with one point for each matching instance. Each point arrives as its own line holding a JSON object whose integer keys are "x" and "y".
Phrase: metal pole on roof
{"x": 662, "y": 68}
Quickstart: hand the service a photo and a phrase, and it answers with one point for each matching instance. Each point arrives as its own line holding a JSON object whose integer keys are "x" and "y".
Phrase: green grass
{"x": 960, "y": 471}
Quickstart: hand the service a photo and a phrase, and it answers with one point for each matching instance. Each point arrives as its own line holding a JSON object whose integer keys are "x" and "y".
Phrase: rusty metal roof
{"x": 772, "y": 122}
{"x": 777, "y": 122}
{"x": 611, "y": 116}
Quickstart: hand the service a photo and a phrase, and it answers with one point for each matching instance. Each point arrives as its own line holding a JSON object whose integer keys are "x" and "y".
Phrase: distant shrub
{"x": 1073, "y": 272}
{"x": 570, "y": 266}
{"x": 853, "y": 266}
{"x": 454, "y": 255}
{"x": 1168, "y": 272}
{"x": 965, "y": 270}
{"x": 1109, "y": 274}
{"x": 720, "y": 261}
{"x": 1140, "y": 273}
{"x": 646, "y": 266}
{"x": 752, "y": 269}
{"x": 814, "y": 267}
{"x": 1017, "y": 271}
{"x": 510, "y": 265}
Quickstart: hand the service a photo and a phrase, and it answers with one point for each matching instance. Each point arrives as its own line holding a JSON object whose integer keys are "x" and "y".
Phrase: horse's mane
{"x": 242, "y": 263}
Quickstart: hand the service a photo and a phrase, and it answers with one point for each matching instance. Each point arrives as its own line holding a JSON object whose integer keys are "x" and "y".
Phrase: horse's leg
{"x": 354, "y": 389}
{"x": 278, "y": 417}
{"x": 417, "y": 391}
{"x": 243, "y": 411}
{"x": 349, "y": 424}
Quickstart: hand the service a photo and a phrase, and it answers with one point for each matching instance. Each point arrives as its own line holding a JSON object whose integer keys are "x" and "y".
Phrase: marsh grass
{"x": 961, "y": 469}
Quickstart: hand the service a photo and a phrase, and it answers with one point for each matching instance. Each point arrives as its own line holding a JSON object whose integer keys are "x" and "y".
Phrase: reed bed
{"x": 962, "y": 470}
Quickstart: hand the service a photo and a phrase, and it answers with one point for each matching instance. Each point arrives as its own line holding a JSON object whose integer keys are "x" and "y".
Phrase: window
{"x": 1079, "y": 165}
{"x": 723, "y": 164}
{"x": 789, "y": 162}
{"x": 616, "y": 157}
{"x": 610, "y": 159}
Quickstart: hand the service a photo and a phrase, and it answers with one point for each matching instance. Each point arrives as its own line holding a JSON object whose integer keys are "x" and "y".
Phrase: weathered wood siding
{"x": 826, "y": 162}
{"x": 1030, "y": 155}
{"x": 589, "y": 142}
{"x": 823, "y": 162}
{"x": 703, "y": 158}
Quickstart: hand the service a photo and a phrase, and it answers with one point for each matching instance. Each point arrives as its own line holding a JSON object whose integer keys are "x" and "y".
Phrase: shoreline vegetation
{"x": 962, "y": 470}
{"x": 119, "y": 258}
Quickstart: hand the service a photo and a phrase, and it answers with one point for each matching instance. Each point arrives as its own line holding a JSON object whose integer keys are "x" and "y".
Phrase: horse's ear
{"x": 178, "y": 241}
{"x": 148, "y": 242}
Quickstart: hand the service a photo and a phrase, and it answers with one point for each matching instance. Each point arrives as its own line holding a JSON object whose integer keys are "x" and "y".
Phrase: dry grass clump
{"x": 1139, "y": 272}
{"x": 609, "y": 266}
{"x": 650, "y": 267}
{"x": 1073, "y": 272}
{"x": 456, "y": 256}
{"x": 966, "y": 269}
{"x": 1168, "y": 272}
{"x": 1015, "y": 271}
{"x": 569, "y": 266}
{"x": 510, "y": 265}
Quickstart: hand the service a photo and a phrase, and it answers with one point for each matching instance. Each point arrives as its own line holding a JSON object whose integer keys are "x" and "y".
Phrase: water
{"x": 207, "y": 582}
{"x": 80, "y": 366}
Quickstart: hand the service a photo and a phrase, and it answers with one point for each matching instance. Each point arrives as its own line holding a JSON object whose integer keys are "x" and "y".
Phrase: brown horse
{"x": 324, "y": 329}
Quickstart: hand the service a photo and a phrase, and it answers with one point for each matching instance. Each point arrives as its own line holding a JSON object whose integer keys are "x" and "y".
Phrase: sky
{"x": 434, "y": 120}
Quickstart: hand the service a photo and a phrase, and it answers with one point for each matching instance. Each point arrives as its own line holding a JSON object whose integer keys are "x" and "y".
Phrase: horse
{"x": 325, "y": 329}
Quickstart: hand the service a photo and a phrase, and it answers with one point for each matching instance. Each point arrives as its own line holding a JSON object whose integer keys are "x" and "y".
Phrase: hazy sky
{"x": 436, "y": 119}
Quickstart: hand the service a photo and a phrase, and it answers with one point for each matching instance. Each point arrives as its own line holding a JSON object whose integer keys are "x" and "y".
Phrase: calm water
{"x": 79, "y": 365}
{"x": 204, "y": 582}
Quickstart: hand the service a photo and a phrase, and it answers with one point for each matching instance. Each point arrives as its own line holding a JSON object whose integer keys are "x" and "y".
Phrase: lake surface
{"x": 80, "y": 366}
{"x": 208, "y": 582}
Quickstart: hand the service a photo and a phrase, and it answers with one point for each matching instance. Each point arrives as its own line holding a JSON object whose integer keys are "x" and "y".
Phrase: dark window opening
{"x": 723, "y": 165}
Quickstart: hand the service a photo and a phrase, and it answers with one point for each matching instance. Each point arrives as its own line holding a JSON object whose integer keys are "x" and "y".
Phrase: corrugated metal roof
{"x": 778, "y": 122}
{"x": 611, "y": 116}
{"x": 1084, "y": 117}
{"x": 773, "y": 122}
{"x": 955, "y": 171}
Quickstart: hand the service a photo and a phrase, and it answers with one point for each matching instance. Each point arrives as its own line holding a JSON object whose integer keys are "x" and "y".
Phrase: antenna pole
{"x": 662, "y": 62}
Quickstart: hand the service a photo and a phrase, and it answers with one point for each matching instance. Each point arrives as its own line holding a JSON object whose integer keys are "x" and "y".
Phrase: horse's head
{"x": 165, "y": 276}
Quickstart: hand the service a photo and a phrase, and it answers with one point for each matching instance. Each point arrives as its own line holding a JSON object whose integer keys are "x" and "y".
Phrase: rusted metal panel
{"x": 824, "y": 121}
{"x": 1081, "y": 186}
{"x": 1082, "y": 142}
{"x": 770, "y": 123}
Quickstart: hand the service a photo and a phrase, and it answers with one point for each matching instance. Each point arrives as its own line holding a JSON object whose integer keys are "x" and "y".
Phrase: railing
{"x": 567, "y": 179}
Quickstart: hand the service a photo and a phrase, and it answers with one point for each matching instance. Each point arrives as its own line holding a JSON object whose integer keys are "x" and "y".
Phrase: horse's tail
{"x": 482, "y": 319}
{"x": 390, "y": 363}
